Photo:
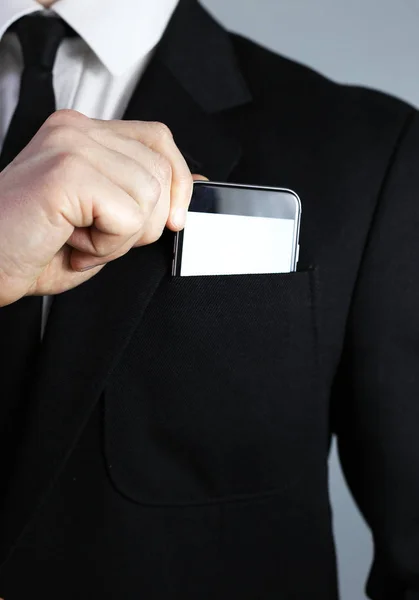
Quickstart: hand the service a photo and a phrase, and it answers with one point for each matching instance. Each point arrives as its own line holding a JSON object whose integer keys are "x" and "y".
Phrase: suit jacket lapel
{"x": 192, "y": 77}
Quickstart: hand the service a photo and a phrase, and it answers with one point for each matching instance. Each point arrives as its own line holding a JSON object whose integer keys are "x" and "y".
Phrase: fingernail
{"x": 88, "y": 268}
{"x": 179, "y": 218}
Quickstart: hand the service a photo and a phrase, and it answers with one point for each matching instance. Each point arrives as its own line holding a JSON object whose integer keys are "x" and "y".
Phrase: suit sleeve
{"x": 376, "y": 398}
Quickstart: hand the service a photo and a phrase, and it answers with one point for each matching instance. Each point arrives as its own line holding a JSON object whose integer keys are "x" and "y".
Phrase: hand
{"x": 82, "y": 193}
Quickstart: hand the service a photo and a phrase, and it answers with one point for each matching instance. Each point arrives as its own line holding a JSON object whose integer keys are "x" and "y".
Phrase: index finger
{"x": 159, "y": 138}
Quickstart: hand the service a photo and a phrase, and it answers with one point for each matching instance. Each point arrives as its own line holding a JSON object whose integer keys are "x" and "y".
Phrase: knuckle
{"x": 152, "y": 191}
{"x": 161, "y": 131}
{"x": 104, "y": 247}
{"x": 60, "y": 135}
{"x": 162, "y": 169}
{"x": 136, "y": 223}
{"x": 119, "y": 251}
{"x": 55, "y": 119}
{"x": 151, "y": 235}
{"x": 66, "y": 164}
{"x": 65, "y": 116}
{"x": 101, "y": 251}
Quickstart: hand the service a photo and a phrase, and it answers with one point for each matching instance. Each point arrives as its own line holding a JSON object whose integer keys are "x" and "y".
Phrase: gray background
{"x": 370, "y": 42}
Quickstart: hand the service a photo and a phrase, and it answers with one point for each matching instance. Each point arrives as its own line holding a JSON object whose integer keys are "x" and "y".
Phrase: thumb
{"x": 176, "y": 221}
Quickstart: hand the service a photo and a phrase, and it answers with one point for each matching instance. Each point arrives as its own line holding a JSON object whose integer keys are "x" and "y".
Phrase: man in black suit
{"x": 172, "y": 440}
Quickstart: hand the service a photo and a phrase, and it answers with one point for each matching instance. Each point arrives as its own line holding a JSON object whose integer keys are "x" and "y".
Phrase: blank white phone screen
{"x": 223, "y": 244}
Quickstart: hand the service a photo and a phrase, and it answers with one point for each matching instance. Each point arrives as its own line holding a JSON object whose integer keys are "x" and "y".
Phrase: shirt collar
{"x": 119, "y": 32}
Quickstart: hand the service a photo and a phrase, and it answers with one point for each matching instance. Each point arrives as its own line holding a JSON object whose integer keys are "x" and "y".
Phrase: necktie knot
{"x": 40, "y": 37}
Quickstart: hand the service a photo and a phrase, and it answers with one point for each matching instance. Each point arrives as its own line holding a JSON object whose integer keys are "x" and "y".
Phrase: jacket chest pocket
{"x": 215, "y": 397}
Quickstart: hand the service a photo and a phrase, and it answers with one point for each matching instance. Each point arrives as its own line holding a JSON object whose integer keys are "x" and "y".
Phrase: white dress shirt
{"x": 95, "y": 74}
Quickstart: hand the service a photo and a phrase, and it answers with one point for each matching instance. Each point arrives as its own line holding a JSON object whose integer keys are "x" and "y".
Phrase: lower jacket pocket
{"x": 215, "y": 397}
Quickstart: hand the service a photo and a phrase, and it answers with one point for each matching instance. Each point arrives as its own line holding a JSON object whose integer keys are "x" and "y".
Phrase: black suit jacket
{"x": 178, "y": 430}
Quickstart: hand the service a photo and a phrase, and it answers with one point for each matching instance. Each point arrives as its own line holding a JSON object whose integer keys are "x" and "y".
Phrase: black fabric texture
{"x": 237, "y": 346}
{"x": 178, "y": 431}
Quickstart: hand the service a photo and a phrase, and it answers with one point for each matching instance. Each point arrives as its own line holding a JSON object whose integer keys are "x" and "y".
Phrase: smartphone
{"x": 234, "y": 229}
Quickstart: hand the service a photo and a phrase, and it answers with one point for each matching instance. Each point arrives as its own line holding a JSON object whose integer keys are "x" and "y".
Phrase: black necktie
{"x": 20, "y": 322}
{"x": 39, "y": 38}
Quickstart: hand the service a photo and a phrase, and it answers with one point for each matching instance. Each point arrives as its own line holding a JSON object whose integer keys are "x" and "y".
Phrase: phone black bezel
{"x": 178, "y": 241}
